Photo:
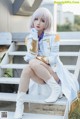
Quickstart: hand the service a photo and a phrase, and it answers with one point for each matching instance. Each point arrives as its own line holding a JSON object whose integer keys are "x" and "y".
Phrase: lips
{"x": 38, "y": 26}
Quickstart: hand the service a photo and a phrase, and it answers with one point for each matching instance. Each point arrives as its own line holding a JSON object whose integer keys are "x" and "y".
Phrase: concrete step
{"x": 17, "y": 53}
{"x": 31, "y": 99}
{"x": 68, "y": 54}
{"x": 22, "y": 53}
{"x": 10, "y": 115}
{"x": 52, "y": 109}
{"x": 12, "y": 66}
{"x": 37, "y": 104}
{"x": 21, "y": 66}
{"x": 9, "y": 80}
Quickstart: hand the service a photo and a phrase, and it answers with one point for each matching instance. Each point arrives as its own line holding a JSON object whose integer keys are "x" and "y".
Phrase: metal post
{"x": 55, "y": 18}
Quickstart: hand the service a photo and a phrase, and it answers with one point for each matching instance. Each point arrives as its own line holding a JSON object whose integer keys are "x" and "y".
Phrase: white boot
{"x": 56, "y": 90}
{"x": 19, "y": 105}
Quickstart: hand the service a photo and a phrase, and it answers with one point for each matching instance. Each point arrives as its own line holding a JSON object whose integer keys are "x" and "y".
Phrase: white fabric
{"x": 38, "y": 89}
{"x": 28, "y": 57}
{"x": 50, "y": 48}
{"x": 69, "y": 82}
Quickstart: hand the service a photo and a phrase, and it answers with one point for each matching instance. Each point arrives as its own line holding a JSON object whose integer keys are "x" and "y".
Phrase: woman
{"x": 44, "y": 66}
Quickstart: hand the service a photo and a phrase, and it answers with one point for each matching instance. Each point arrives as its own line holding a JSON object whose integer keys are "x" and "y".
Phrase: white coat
{"x": 49, "y": 47}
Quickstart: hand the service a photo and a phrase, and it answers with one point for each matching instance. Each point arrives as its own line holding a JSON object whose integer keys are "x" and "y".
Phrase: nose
{"x": 38, "y": 21}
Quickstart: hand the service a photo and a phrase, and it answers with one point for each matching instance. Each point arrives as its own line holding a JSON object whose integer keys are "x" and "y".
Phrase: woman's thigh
{"x": 35, "y": 78}
{"x": 28, "y": 74}
{"x": 48, "y": 67}
{"x": 51, "y": 71}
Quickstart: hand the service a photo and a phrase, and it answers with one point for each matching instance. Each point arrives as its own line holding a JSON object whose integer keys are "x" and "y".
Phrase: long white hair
{"x": 45, "y": 14}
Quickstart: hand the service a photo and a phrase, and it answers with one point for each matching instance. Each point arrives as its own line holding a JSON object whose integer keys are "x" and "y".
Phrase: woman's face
{"x": 39, "y": 24}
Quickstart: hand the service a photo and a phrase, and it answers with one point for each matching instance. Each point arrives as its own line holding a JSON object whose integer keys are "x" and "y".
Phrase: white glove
{"x": 34, "y": 33}
{"x": 28, "y": 57}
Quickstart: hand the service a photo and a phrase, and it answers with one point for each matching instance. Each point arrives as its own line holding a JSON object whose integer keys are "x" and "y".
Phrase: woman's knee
{"x": 26, "y": 70}
{"x": 33, "y": 64}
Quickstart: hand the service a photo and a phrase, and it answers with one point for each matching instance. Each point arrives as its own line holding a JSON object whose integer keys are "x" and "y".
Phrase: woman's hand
{"x": 43, "y": 59}
{"x": 28, "y": 57}
{"x": 34, "y": 33}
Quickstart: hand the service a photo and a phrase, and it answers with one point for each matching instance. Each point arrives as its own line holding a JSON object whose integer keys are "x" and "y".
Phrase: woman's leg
{"x": 51, "y": 71}
{"x": 39, "y": 69}
{"x": 28, "y": 73}
{"x": 43, "y": 70}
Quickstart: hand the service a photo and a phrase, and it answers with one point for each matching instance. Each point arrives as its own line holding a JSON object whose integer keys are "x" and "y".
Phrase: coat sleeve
{"x": 54, "y": 50}
{"x": 32, "y": 48}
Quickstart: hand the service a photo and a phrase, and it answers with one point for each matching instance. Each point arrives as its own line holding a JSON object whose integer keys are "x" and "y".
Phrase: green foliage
{"x": 8, "y": 73}
{"x": 77, "y": 23}
{"x": 64, "y": 27}
{"x": 69, "y": 26}
{"x": 77, "y": 20}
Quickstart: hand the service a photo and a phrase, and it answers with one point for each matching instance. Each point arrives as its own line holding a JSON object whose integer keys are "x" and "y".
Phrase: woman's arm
{"x": 32, "y": 45}
{"x": 54, "y": 50}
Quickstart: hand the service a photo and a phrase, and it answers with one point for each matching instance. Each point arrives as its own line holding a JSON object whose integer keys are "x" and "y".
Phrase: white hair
{"x": 46, "y": 15}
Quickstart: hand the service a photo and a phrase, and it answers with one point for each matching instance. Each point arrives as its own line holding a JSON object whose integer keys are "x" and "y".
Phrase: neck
{"x": 39, "y": 33}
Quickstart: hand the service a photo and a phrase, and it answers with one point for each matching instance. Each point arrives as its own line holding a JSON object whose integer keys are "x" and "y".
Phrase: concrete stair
{"x": 38, "y": 109}
{"x": 10, "y": 115}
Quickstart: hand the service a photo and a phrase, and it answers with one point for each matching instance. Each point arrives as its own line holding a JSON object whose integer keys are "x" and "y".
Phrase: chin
{"x": 37, "y": 29}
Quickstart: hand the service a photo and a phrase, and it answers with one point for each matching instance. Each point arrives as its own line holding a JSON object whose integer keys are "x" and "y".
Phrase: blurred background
{"x": 15, "y": 15}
